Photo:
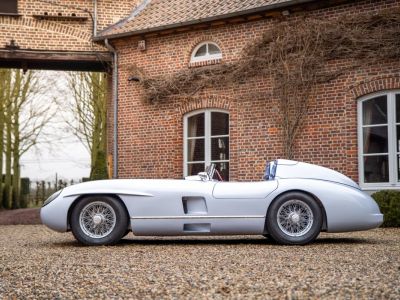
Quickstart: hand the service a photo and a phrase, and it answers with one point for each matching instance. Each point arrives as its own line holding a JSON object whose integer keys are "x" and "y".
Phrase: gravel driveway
{"x": 38, "y": 263}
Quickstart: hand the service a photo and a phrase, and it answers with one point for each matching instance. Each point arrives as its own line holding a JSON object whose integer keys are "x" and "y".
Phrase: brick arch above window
{"x": 205, "y": 102}
{"x": 362, "y": 89}
{"x": 47, "y": 26}
{"x": 374, "y": 85}
{"x": 198, "y": 41}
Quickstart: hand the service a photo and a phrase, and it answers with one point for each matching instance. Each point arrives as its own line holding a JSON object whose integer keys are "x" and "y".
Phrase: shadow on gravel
{"x": 349, "y": 241}
{"x": 172, "y": 242}
{"x": 163, "y": 242}
{"x": 183, "y": 242}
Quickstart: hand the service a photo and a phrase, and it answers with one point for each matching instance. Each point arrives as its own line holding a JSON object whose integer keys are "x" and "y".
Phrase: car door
{"x": 173, "y": 207}
{"x": 239, "y": 207}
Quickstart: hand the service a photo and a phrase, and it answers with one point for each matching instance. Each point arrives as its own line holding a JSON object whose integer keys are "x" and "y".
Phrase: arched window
{"x": 206, "y": 141}
{"x": 206, "y": 51}
{"x": 379, "y": 140}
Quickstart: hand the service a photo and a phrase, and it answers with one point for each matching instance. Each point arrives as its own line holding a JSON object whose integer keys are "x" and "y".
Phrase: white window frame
{"x": 392, "y": 150}
{"x": 207, "y": 137}
{"x": 206, "y": 57}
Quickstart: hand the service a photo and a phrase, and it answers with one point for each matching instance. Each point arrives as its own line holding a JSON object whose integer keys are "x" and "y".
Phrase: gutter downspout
{"x": 115, "y": 107}
{"x": 95, "y": 17}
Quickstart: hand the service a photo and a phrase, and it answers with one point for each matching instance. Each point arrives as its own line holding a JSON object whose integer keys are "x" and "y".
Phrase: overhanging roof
{"x": 157, "y": 15}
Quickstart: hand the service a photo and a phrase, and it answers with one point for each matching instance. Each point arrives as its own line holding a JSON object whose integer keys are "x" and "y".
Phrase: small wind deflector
{"x": 270, "y": 170}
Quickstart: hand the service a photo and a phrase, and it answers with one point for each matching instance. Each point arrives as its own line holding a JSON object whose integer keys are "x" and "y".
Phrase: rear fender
{"x": 346, "y": 208}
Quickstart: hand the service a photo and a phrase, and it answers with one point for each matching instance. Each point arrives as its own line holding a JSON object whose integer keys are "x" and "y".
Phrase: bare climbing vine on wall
{"x": 297, "y": 55}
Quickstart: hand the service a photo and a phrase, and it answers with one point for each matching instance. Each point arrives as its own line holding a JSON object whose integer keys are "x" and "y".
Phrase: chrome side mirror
{"x": 203, "y": 176}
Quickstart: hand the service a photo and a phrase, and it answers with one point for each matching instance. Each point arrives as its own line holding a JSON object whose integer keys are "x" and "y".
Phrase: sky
{"x": 58, "y": 153}
{"x": 69, "y": 161}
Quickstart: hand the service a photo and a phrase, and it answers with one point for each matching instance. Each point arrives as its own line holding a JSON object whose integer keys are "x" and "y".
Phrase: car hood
{"x": 289, "y": 169}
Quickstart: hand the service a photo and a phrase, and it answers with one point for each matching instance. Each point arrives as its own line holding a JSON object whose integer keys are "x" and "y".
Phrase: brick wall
{"x": 61, "y": 34}
{"x": 151, "y": 135}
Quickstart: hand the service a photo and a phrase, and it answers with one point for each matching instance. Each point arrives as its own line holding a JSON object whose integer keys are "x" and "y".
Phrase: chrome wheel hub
{"x": 97, "y": 219}
{"x": 295, "y": 218}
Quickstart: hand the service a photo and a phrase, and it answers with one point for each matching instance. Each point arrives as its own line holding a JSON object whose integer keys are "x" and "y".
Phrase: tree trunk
{"x": 1, "y": 154}
{"x": 89, "y": 90}
{"x": 2, "y": 121}
{"x": 16, "y": 168}
{"x": 99, "y": 144}
{"x": 8, "y": 159}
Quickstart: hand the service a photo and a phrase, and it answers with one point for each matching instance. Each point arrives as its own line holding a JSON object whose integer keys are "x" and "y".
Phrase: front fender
{"x": 55, "y": 214}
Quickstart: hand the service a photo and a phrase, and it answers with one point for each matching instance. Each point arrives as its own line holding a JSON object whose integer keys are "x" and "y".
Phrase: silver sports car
{"x": 292, "y": 205}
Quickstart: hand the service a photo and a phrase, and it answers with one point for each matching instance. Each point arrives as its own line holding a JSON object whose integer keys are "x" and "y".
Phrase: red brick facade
{"x": 61, "y": 32}
{"x": 151, "y": 135}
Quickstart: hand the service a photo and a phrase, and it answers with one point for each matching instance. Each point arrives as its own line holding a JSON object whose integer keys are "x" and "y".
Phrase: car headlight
{"x": 52, "y": 197}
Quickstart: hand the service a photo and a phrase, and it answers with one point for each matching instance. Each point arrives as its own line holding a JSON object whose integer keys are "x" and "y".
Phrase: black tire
{"x": 113, "y": 234}
{"x": 311, "y": 230}
{"x": 267, "y": 236}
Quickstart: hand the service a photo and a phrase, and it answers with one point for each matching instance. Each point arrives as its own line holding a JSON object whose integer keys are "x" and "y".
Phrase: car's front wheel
{"x": 99, "y": 220}
{"x": 294, "y": 219}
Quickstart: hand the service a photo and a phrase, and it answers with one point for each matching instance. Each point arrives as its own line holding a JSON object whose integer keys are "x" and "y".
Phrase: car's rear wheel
{"x": 294, "y": 219}
{"x": 99, "y": 220}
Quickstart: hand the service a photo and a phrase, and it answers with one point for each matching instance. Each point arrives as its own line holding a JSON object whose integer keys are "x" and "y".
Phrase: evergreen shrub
{"x": 389, "y": 204}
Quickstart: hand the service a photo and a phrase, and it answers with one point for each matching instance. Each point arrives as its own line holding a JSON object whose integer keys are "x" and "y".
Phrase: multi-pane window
{"x": 206, "y": 141}
{"x": 379, "y": 140}
{"x": 206, "y": 51}
{"x": 8, "y": 6}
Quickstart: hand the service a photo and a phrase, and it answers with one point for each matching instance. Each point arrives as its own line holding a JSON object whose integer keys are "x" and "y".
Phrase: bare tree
{"x": 23, "y": 122}
{"x": 89, "y": 124}
{"x": 3, "y": 93}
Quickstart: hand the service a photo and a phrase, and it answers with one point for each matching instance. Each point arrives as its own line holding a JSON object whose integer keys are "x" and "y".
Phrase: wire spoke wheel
{"x": 97, "y": 219}
{"x": 295, "y": 218}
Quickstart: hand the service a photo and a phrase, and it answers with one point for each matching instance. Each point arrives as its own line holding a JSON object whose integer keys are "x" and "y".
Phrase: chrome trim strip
{"x": 89, "y": 193}
{"x": 195, "y": 217}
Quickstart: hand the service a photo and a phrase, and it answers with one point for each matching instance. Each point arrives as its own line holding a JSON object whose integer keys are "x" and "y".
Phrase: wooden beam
{"x": 273, "y": 14}
{"x": 55, "y": 60}
{"x": 254, "y": 17}
{"x": 201, "y": 26}
{"x": 166, "y": 32}
{"x": 237, "y": 20}
{"x": 55, "y": 55}
{"x": 182, "y": 29}
{"x": 218, "y": 23}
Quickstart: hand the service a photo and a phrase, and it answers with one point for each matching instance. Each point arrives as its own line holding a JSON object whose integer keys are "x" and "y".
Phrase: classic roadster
{"x": 292, "y": 205}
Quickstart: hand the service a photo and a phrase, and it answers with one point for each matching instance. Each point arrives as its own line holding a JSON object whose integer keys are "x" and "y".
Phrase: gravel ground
{"x": 38, "y": 263}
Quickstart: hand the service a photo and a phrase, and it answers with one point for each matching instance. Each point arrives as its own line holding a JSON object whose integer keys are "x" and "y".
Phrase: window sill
{"x": 13, "y": 15}
{"x": 205, "y": 63}
{"x": 379, "y": 187}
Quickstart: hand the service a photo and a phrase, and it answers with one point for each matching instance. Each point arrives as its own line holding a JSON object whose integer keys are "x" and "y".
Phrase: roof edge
{"x": 136, "y": 11}
{"x": 199, "y": 21}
